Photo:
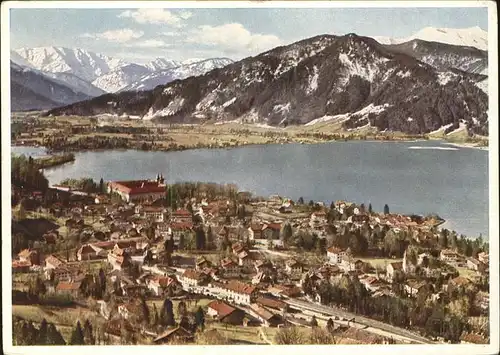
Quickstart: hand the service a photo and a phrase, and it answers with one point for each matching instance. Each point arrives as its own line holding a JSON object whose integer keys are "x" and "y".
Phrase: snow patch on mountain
{"x": 313, "y": 81}
{"x": 470, "y": 37}
{"x": 84, "y": 64}
{"x": 483, "y": 85}
{"x": 151, "y": 80}
{"x": 229, "y": 102}
{"x": 355, "y": 67}
{"x": 360, "y": 115}
{"x": 119, "y": 78}
{"x": 445, "y": 77}
{"x": 162, "y": 63}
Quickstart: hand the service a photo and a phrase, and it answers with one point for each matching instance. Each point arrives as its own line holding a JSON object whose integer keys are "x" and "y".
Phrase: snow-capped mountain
{"x": 81, "y": 63}
{"x": 33, "y": 90}
{"x": 17, "y": 59}
{"x": 446, "y": 56}
{"x": 162, "y": 77}
{"x": 121, "y": 77}
{"x": 470, "y": 37}
{"x": 161, "y": 64}
{"x": 192, "y": 60}
{"x": 349, "y": 78}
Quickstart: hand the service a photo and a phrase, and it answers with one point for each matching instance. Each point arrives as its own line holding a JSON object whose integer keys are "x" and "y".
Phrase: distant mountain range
{"x": 413, "y": 85}
{"x": 349, "y": 79}
{"x": 93, "y": 74}
{"x": 469, "y": 37}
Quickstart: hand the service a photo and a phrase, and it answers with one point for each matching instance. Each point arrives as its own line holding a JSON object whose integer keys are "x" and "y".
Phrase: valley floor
{"x": 90, "y": 133}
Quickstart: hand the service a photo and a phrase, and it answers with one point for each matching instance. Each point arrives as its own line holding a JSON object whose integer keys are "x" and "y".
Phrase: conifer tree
{"x": 155, "y": 319}
{"x": 167, "y": 313}
{"x": 54, "y": 337}
{"x": 77, "y": 337}
{"x": 386, "y": 209}
{"x": 200, "y": 318}
{"x": 42, "y": 336}
{"x": 88, "y": 333}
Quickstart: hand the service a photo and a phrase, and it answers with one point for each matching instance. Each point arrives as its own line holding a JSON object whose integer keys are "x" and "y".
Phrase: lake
{"x": 411, "y": 177}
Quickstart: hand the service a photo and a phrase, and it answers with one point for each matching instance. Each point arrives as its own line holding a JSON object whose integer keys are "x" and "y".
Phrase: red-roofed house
{"x": 225, "y": 313}
{"x": 53, "y": 262}
{"x": 239, "y": 292}
{"x": 192, "y": 277}
{"x": 182, "y": 215}
{"x": 229, "y": 268}
{"x": 160, "y": 285}
{"x": 90, "y": 252}
{"x": 72, "y": 288}
{"x": 137, "y": 190}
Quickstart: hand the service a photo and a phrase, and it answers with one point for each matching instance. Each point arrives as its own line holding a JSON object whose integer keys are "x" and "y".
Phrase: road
{"x": 395, "y": 331}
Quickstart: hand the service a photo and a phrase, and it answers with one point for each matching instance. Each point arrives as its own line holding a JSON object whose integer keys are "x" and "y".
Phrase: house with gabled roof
{"x": 91, "y": 252}
{"x": 29, "y": 255}
{"x": 267, "y": 318}
{"x": 192, "y": 277}
{"x": 53, "y": 262}
{"x": 239, "y": 292}
{"x": 392, "y": 268}
{"x": 160, "y": 285}
{"x": 225, "y": 313}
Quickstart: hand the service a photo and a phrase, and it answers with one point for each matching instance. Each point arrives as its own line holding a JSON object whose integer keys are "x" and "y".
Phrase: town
{"x": 148, "y": 262}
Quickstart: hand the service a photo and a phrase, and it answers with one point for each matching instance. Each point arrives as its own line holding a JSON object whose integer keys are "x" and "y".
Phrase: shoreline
{"x": 467, "y": 145}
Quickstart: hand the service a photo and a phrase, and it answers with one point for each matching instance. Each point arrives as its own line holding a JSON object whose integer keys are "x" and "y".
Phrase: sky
{"x": 140, "y": 35}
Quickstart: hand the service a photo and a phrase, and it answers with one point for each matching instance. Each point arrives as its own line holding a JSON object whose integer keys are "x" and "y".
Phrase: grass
{"x": 241, "y": 333}
{"x": 66, "y": 316}
{"x": 380, "y": 262}
{"x": 467, "y": 273}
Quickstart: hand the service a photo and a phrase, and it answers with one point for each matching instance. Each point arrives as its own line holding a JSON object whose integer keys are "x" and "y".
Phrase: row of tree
{"x": 26, "y": 333}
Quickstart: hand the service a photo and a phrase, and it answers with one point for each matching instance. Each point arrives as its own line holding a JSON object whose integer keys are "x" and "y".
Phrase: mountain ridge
{"x": 321, "y": 76}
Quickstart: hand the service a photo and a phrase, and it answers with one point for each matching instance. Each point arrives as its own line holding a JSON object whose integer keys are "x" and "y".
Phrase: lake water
{"x": 411, "y": 177}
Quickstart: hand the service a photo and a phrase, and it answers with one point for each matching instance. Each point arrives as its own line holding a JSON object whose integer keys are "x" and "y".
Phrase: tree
{"x": 155, "y": 319}
{"x": 241, "y": 212}
{"x": 300, "y": 201}
{"x": 200, "y": 238}
{"x": 286, "y": 233}
{"x": 330, "y": 326}
{"x": 443, "y": 238}
{"x": 289, "y": 336}
{"x": 210, "y": 239}
{"x": 200, "y": 318}
{"x": 42, "y": 336}
{"x": 169, "y": 249}
{"x": 54, "y": 337}
{"x": 144, "y": 317}
{"x": 314, "y": 322}
{"x": 102, "y": 281}
{"x": 102, "y": 187}
{"x": 181, "y": 309}
{"x": 77, "y": 337}
{"x": 370, "y": 209}
{"x": 39, "y": 287}
{"x": 182, "y": 242}
{"x": 167, "y": 313}
{"x": 386, "y": 209}
{"x": 88, "y": 333}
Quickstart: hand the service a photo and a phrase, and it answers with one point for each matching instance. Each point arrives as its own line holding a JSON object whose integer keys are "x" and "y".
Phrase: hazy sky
{"x": 143, "y": 34}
